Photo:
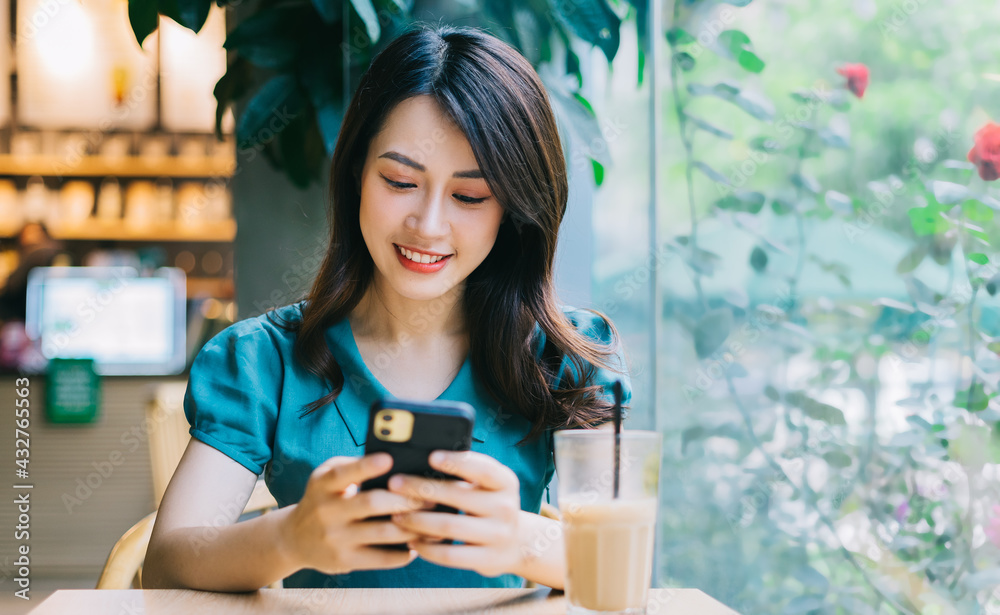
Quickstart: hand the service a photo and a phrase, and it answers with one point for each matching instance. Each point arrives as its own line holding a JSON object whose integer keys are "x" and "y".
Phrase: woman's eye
{"x": 400, "y": 185}
{"x": 468, "y": 199}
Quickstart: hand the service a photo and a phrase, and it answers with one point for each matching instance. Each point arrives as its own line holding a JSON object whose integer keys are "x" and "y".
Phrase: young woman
{"x": 448, "y": 185}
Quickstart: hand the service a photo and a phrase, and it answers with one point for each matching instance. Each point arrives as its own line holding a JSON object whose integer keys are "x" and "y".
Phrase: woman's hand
{"x": 328, "y": 529}
{"x": 489, "y": 494}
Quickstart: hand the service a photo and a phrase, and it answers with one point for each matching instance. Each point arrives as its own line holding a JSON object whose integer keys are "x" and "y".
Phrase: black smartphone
{"x": 409, "y": 431}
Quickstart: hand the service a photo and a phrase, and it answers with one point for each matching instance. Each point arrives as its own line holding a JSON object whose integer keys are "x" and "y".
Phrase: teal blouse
{"x": 246, "y": 391}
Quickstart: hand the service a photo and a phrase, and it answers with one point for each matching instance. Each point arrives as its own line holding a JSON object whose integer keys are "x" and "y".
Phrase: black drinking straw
{"x": 618, "y": 433}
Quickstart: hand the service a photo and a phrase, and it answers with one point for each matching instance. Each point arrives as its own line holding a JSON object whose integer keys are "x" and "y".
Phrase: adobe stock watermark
{"x": 298, "y": 278}
{"x": 739, "y": 174}
{"x": 763, "y": 490}
{"x": 715, "y": 367}
{"x": 901, "y": 13}
{"x": 104, "y": 469}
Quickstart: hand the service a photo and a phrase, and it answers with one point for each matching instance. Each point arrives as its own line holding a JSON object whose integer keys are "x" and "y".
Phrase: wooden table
{"x": 352, "y": 602}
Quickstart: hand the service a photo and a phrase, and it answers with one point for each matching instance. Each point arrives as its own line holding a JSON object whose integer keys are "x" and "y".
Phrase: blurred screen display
{"x": 127, "y": 324}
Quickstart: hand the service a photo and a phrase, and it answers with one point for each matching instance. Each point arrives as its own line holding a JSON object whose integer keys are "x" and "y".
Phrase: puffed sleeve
{"x": 596, "y": 328}
{"x": 232, "y": 395}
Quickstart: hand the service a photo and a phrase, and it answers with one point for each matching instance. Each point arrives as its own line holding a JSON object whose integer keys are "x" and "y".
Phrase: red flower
{"x": 857, "y": 77}
{"x": 985, "y": 154}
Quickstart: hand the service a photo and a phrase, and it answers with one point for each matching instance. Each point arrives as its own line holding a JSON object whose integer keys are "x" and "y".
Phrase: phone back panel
{"x": 436, "y": 426}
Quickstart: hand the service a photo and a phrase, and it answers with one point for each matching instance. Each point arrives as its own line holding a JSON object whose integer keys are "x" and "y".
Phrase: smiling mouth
{"x": 419, "y": 257}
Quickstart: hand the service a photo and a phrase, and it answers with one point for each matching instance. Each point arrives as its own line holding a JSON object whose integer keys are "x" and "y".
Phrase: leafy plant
{"x": 769, "y": 450}
{"x": 294, "y": 65}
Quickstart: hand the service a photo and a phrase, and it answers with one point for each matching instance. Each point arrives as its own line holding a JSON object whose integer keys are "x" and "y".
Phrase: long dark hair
{"x": 495, "y": 97}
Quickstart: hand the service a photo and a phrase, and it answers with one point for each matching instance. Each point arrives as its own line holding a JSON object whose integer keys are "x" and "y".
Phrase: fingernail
{"x": 396, "y": 482}
{"x": 437, "y": 457}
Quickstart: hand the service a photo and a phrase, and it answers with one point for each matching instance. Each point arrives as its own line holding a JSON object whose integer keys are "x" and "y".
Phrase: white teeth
{"x": 418, "y": 257}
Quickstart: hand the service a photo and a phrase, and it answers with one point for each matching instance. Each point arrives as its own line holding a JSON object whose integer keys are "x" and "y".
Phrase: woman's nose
{"x": 428, "y": 217}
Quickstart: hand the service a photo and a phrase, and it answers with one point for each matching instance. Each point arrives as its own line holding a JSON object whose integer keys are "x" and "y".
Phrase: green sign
{"x": 72, "y": 391}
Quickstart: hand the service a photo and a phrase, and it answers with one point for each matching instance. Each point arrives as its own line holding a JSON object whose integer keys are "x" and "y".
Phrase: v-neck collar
{"x": 340, "y": 339}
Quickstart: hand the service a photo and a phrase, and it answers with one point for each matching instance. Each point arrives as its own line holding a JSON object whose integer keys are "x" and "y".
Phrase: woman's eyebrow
{"x": 473, "y": 174}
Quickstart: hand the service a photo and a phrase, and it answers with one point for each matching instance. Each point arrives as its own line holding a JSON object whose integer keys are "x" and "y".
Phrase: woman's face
{"x": 427, "y": 215}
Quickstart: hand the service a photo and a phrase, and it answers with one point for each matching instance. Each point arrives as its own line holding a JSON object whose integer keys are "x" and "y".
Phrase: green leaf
{"x": 598, "y": 172}
{"x": 948, "y": 193}
{"x": 193, "y": 13}
{"x": 293, "y": 152}
{"x": 328, "y": 119}
{"x": 573, "y": 66}
{"x": 806, "y": 182}
{"x": 703, "y": 261}
{"x": 712, "y": 330}
{"x": 837, "y": 459}
{"x": 709, "y": 128}
{"x": 231, "y": 87}
{"x": 593, "y": 21}
{"x": 733, "y": 42}
{"x": 753, "y": 104}
{"x": 329, "y": 10}
{"x": 764, "y": 144}
{"x": 912, "y": 259}
{"x": 684, "y": 60}
{"x": 805, "y": 96}
{"x": 278, "y": 99}
{"x": 818, "y": 410}
{"x": 711, "y": 173}
{"x": 269, "y": 39}
{"x": 756, "y": 106}
{"x": 742, "y": 200}
{"x": 758, "y": 259}
{"x": 679, "y": 36}
{"x": 142, "y": 15}
{"x": 750, "y": 62}
{"x": 736, "y": 46}
{"x": 772, "y": 393}
{"x": 576, "y": 114}
{"x": 927, "y": 221}
{"x": 979, "y": 258}
{"x": 976, "y": 211}
{"x": 974, "y": 400}
{"x": 782, "y": 206}
{"x": 991, "y": 287}
{"x": 834, "y": 139}
{"x": 366, "y": 11}
{"x": 723, "y": 89}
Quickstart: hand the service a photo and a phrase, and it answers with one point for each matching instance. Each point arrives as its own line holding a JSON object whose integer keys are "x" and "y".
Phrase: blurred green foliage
{"x": 836, "y": 441}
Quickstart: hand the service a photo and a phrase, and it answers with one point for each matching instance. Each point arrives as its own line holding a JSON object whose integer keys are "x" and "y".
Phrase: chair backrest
{"x": 123, "y": 568}
{"x": 168, "y": 434}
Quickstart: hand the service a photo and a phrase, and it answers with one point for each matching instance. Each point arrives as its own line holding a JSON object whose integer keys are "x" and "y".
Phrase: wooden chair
{"x": 123, "y": 569}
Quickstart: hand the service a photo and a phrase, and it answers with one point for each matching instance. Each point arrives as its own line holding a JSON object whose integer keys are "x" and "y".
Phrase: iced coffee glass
{"x": 609, "y": 540}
